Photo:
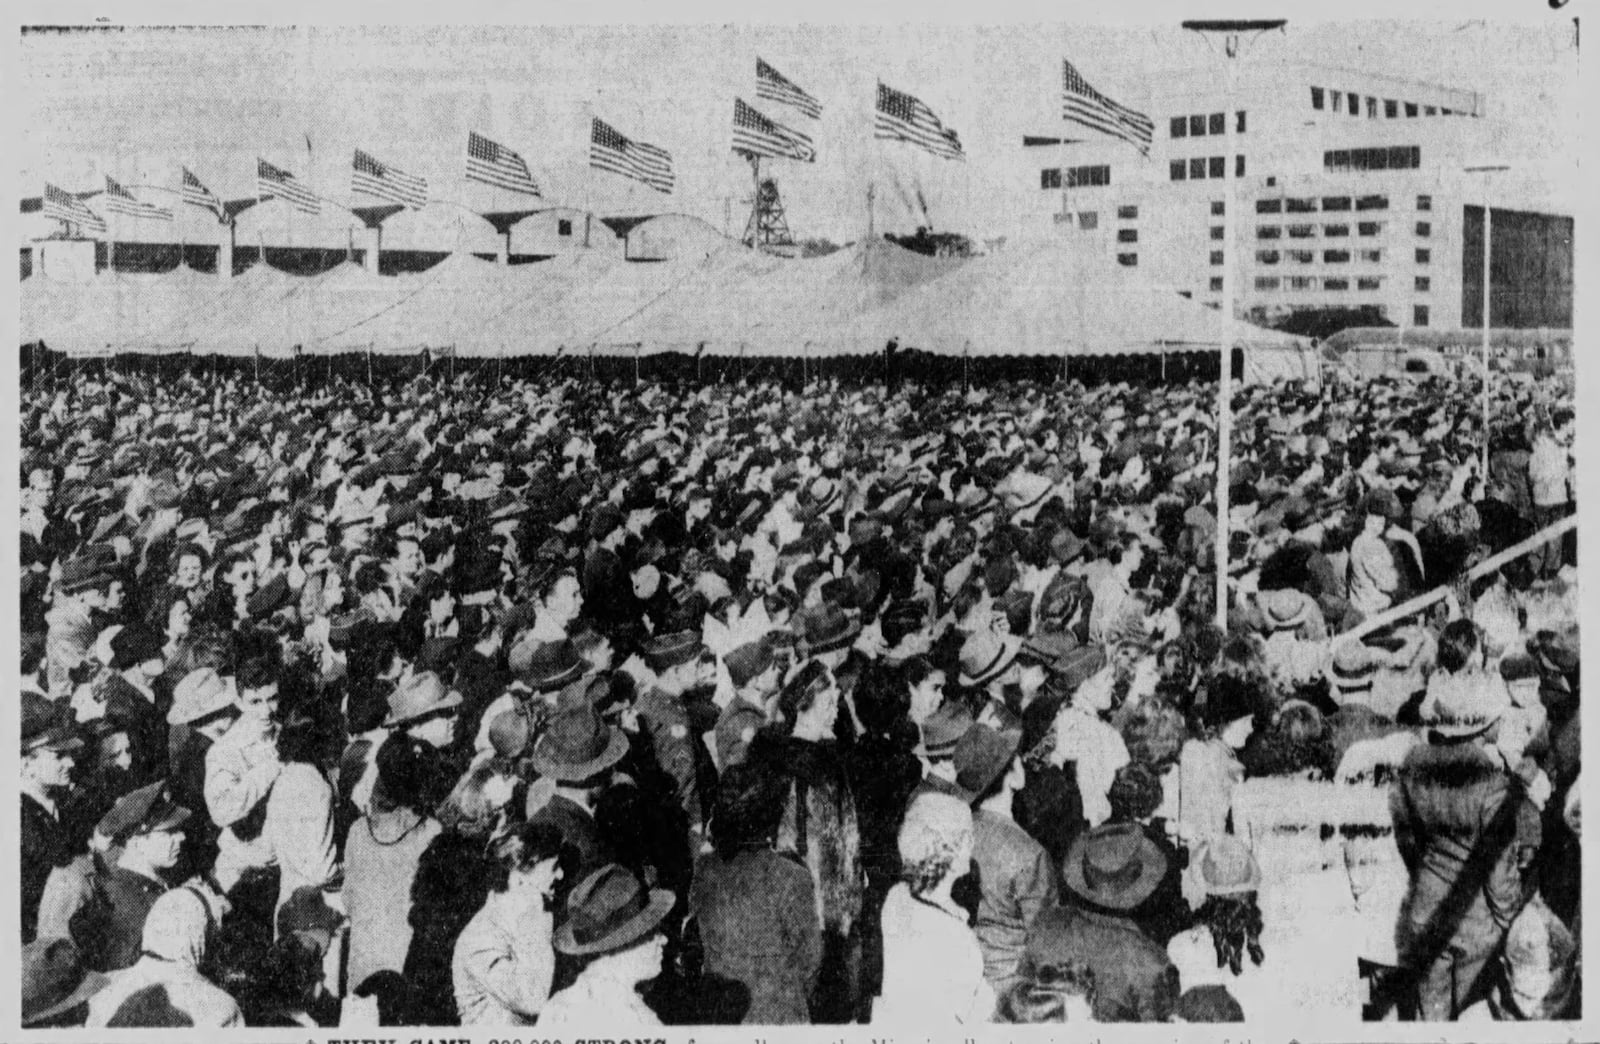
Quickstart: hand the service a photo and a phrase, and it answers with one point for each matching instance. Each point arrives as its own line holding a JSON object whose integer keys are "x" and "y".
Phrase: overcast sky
{"x": 136, "y": 103}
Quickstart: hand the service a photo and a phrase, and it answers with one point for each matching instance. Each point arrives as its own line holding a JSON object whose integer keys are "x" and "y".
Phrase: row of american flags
{"x": 897, "y": 116}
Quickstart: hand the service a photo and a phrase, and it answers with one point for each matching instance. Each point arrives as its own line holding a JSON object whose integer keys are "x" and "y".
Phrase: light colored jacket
{"x": 503, "y": 965}
{"x": 597, "y": 998}
{"x": 932, "y": 967}
{"x": 299, "y": 829}
{"x": 1547, "y": 472}
{"x": 1373, "y": 576}
{"x": 151, "y": 981}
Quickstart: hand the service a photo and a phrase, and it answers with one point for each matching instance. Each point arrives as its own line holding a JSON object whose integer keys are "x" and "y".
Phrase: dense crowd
{"x": 437, "y": 703}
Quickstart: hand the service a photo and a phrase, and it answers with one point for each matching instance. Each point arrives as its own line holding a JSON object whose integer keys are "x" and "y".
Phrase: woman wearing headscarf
{"x": 932, "y": 965}
{"x": 504, "y": 963}
{"x": 164, "y": 987}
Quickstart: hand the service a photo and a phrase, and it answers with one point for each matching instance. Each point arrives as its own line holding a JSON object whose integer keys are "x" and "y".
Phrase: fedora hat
{"x": 422, "y": 695}
{"x": 981, "y": 755}
{"x": 577, "y": 744}
{"x": 1465, "y": 705}
{"x": 1114, "y": 866}
{"x": 550, "y": 665}
{"x": 825, "y": 627}
{"x": 46, "y": 726}
{"x": 200, "y": 694}
{"x": 55, "y": 979}
{"x": 672, "y": 650}
{"x": 944, "y": 729}
{"x": 610, "y": 909}
{"x": 985, "y": 656}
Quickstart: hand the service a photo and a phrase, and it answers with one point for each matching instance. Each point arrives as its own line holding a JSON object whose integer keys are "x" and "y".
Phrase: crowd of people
{"x": 445, "y": 702}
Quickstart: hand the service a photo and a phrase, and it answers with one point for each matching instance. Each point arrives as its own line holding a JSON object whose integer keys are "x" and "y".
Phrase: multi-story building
{"x": 1351, "y": 191}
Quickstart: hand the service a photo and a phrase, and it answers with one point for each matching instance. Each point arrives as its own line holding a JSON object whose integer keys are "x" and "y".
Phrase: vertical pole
{"x": 1225, "y": 376}
{"x": 258, "y": 363}
{"x": 1483, "y": 350}
{"x": 369, "y": 365}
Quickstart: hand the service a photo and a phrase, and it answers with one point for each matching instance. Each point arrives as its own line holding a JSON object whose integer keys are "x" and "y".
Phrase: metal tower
{"x": 767, "y": 226}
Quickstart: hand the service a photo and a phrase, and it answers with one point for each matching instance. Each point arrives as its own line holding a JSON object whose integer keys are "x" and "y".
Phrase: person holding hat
{"x": 1466, "y": 828}
{"x": 503, "y": 962}
{"x": 615, "y": 922}
{"x": 1015, "y": 875}
{"x": 932, "y": 963}
{"x": 146, "y": 828}
{"x": 820, "y": 826}
{"x": 50, "y": 747}
{"x": 1109, "y": 871}
{"x": 165, "y": 987}
{"x": 56, "y": 984}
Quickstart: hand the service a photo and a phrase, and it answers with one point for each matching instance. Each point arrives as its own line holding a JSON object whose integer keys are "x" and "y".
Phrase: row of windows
{"x": 1202, "y": 124}
{"x": 1330, "y": 204}
{"x": 1306, "y": 257}
{"x": 1074, "y": 177}
{"x": 1392, "y": 157}
{"x": 1423, "y": 230}
{"x": 1363, "y": 283}
{"x": 1201, "y": 167}
{"x": 1351, "y": 102}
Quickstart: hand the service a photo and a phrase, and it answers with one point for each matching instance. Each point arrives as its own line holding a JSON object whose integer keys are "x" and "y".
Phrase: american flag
{"x": 120, "y": 201}
{"x": 756, "y": 134}
{"x": 771, "y": 85}
{"x": 494, "y": 164}
{"x": 275, "y": 181}
{"x": 64, "y": 206}
{"x": 200, "y": 196}
{"x": 379, "y": 179}
{"x": 900, "y": 117}
{"x": 1084, "y": 105}
{"x": 639, "y": 160}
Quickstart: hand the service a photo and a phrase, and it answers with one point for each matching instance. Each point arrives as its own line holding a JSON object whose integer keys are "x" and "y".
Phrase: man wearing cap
{"x": 84, "y": 588}
{"x": 136, "y": 661}
{"x": 49, "y": 749}
{"x": 577, "y": 753}
{"x": 940, "y": 734}
{"x": 1000, "y": 664}
{"x": 677, "y": 662}
{"x": 424, "y": 708}
{"x": 147, "y": 825}
{"x": 1014, "y": 871}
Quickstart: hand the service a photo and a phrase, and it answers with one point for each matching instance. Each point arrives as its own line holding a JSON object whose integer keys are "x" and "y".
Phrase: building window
{"x": 1050, "y": 178}
{"x": 1130, "y": 260}
{"x": 1269, "y": 206}
{"x": 1419, "y": 315}
{"x": 1197, "y": 168}
{"x": 1398, "y": 157}
{"x": 1266, "y": 282}
{"x": 1332, "y": 283}
{"x": 1179, "y": 127}
{"x": 1302, "y": 231}
{"x": 1088, "y": 220}
{"x": 1372, "y": 256}
{"x": 1268, "y": 232}
{"x": 1218, "y": 166}
{"x": 1216, "y": 257}
{"x": 1303, "y": 257}
{"x": 1429, "y": 110}
{"x": 1218, "y": 208}
{"x": 1411, "y": 110}
{"x": 1335, "y": 231}
{"x": 1353, "y": 103}
{"x": 1238, "y": 166}
{"x": 1127, "y": 235}
{"x": 1217, "y": 123}
{"x": 1216, "y": 283}
{"x": 1316, "y": 98}
{"x": 1128, "y": 213}
{"x": 1338, "y": 101}
{"x": 1423, "y": 284}
{"x": 1369, "y": 228}
{"x": 1088, "y": 177}
{"x": 1197, "y": 126}
{"x": 1424, "y": 202}
{"x": 1335, "y": 257}
{"x": 563, "y": 227}
{"x": 1424, "y": 228}
{"x": 1216, "y": 232}
{"x": 1335, "y": 203}
{"x": 1424, "y": 255}
{"x": 1373, "y": 203}
{"x": 1266, "y": 257}
{"x": 1178, "y": 169}
{"x": 1336, "y": 160}
{"x": 1368, "y": 283}
{"x": 1391, "y": 108}
{"x": 1300, "y": 206}
{"x": 1372, "y": 108}
{"x": 1303, "y": 282}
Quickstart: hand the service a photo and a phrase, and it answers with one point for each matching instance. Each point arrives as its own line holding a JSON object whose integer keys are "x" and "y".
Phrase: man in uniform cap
{"x": 147, "y": 825}
{"x": 49, "y": 747}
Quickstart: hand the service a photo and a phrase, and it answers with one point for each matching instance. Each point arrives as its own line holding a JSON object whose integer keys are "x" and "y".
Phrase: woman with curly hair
{"x": 932, "y": 966}
{"x": 1224, "y": 948}
{"x": 1296, "y": 741}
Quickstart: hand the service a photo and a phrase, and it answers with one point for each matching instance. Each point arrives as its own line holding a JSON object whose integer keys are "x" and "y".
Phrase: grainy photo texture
{"x": 909, "y": 527}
